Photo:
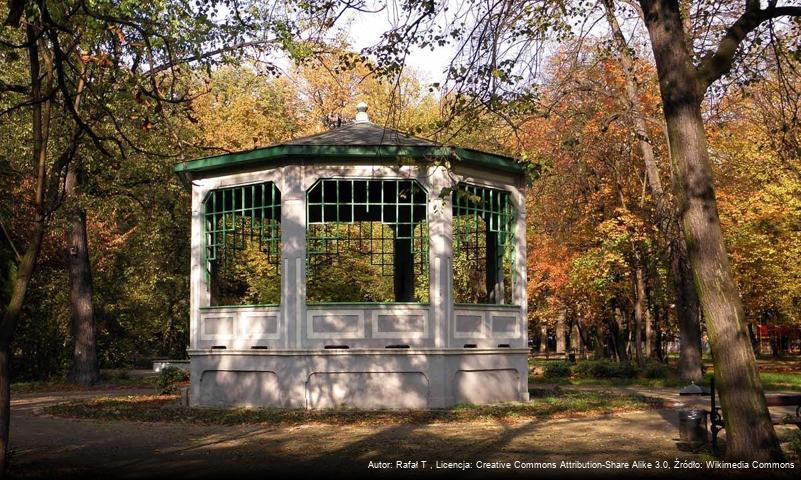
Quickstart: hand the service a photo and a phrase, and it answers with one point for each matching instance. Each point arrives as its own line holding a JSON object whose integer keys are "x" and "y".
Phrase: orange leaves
{"x": 101, "y": 59}
{"x": 117, "y": 31}
{"x": 548, "y": 264}
{"x": 588, "y": 213}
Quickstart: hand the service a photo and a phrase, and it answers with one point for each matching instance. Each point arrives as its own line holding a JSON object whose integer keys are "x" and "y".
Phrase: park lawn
{"x": 781, "y": 381}
{"x": 545, "y": 404}
{"x": 108, "y": 380}
{"x": 786, "y": 376}
{"x": 771, "y": 381}
{"x": 611, "y": 382}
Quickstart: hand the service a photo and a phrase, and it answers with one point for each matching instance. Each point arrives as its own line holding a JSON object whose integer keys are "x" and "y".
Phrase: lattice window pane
{"x": 357, "y": 228}
{"x": 483, "y": 244}
{"x": 243, "y": 244}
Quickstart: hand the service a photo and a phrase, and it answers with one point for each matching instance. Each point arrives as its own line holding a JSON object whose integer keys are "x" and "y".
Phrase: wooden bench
{"x": 778, "y": 400}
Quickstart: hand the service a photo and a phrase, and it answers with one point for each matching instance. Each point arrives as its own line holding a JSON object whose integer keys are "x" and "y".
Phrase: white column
{"x": 293, "y": 255}
{"x": 440, "y": 254}
{"x": 198, "y": 284}
{"x": 520, "y": 277}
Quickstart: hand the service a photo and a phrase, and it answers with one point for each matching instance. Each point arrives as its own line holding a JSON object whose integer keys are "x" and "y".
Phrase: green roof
{"x": 356, "y": 141}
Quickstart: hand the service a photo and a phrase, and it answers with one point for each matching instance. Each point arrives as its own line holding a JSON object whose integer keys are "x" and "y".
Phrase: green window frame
{"x": 483, "y": 232}
{"x": 241, "y": 217}
{"x": 372, "y": 216}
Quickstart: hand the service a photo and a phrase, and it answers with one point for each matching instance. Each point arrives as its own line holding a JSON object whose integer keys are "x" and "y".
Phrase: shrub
{"x": 655, "y": 370}
{"x": 794, "y": 442}
{"x": 169, "y": 378}
{"x": 605, "y": 369}
{"x": 585, "y": 369}
{"x": 626, "y": 370}
{"x": 596, "y": 369}
{"x": 557, "y": 370}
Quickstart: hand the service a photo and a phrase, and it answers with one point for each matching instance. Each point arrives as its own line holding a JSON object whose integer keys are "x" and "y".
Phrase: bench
{"x": 778, "y": 400}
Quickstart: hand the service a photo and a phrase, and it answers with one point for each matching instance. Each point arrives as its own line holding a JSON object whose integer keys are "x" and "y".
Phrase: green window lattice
{"x": 483, "y": 243}
{"x": 243, "y": 217}
{"x": 367, "y": 216}
{"x": 367, "y": 241}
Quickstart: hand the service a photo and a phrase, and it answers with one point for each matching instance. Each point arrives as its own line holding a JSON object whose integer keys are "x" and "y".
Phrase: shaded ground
{"x": 45, "y": 445}
{"x": 546, "y": 403}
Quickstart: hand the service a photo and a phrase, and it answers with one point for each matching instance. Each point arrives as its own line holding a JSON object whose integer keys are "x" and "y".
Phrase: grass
{"x": 613, "y": 382}
{"x": 166, "y": 408}
{"x": 119, "y": 379}
{"x": 781, "y": 381}
{"x": 784, "y": 374}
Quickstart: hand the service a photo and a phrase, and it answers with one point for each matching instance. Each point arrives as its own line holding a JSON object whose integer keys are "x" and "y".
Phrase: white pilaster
{"x": 440, "y": 218}
{"x": 293, "y": 255}
{"x": 520, "y": 277}
{"x": 198, "y": 285}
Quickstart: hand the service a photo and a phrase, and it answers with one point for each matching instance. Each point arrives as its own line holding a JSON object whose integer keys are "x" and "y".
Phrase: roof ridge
{"x": 362, "y": 133}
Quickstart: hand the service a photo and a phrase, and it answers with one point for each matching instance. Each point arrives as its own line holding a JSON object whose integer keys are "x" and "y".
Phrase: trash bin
{"x": 693, "y": 417}
{"x": 693, "y": 427}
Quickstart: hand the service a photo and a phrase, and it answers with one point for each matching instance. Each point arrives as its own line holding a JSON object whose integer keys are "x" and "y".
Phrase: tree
{"x": 758, "y": 193}
{"x": 493, "y": 43}
{"x": 594, "y": 251}
{"x": 85, "y": 370}
{"x": 137, "y": 53}
{"x": 683, "y": 85}
{"x": 687, "y": 308}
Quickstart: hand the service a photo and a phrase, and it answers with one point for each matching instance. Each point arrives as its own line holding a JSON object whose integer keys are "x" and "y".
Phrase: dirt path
{"x": 46, "y": 445}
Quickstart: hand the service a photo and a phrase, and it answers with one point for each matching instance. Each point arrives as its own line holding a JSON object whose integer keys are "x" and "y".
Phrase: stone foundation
{"x": 366, "y": 378}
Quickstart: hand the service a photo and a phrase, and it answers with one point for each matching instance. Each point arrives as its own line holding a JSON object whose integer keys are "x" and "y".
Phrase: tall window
{"x": 366, "y": 241}
{"x": 243, "y": 244}
{"x": 483, "y": 244}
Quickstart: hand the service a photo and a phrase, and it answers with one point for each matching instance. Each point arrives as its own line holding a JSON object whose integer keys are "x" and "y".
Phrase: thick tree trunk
{"x": 10, "y": 317}
{"x": 749, "y": 432}
{"x": 561, "y": 346}
{"x": 5, "y": 403}
{"x": 40, "y": 126}
{"x": 543, "y": 338}
{"x": 683, "y": 287}
{"x": 687, "y": 309}
{"x": 84, "y": 369}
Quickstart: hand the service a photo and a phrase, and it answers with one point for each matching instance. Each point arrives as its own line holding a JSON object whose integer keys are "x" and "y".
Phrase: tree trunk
{"x": 690, "y": 357}
{"x": 617, "y": 329}
{"x": 649, "y": 333}
{"x": 40, "y": 126}
{"x": 639, "y": 310}
{"x": 543, "y": 338}
{"x": 749, "y": 432}
{"x": 561, "y": 346}
{"x": 84, "y": 369}
{"x": 10, "y": 317}
{"x": 684, "y": 289}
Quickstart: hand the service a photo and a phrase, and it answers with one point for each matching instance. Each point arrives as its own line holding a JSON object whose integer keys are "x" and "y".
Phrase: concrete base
{"x": 364, "y": 378}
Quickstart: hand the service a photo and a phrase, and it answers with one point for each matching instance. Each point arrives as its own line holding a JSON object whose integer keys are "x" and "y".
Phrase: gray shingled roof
{"x": 361, "y": 139}
{"x": 364, "y": 134}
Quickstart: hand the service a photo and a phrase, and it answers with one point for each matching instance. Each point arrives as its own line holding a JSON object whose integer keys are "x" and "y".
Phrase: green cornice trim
{"x": 273, "y": 155}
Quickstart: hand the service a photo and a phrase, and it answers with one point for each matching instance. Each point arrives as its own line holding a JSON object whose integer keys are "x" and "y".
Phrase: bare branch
{"x": 715, "y": 65}
{"x": 209, "y": 54}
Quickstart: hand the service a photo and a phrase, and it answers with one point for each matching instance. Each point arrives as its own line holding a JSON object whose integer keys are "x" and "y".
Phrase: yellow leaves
{"x": 759, "y": 200}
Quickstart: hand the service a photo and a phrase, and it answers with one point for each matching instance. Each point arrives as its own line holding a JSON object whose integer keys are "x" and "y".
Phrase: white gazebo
{"x": 322, "y": 273}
